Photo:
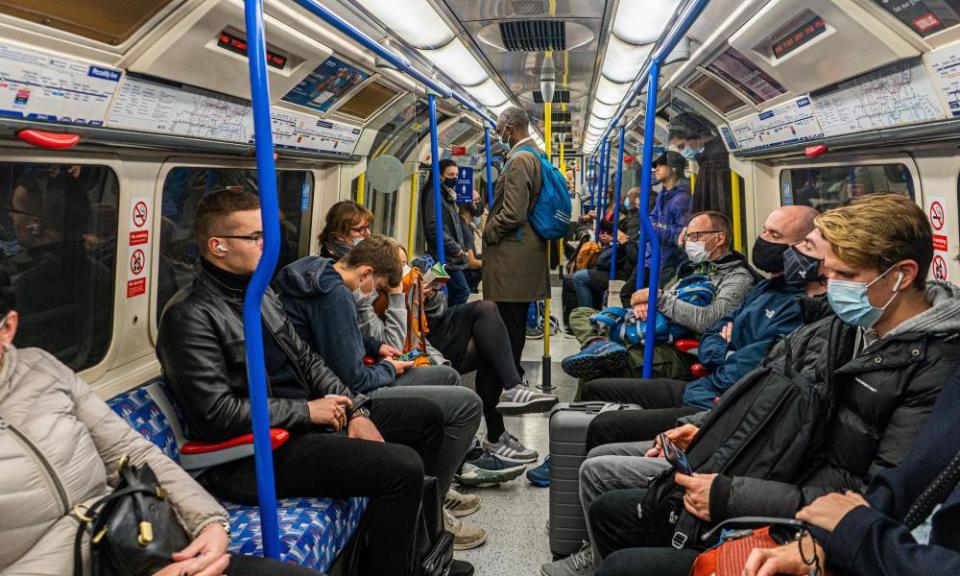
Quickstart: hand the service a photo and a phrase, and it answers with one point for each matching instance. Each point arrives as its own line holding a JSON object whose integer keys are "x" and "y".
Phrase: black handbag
{"x": 433, "y": 543}
{"x": 134, "y": 530}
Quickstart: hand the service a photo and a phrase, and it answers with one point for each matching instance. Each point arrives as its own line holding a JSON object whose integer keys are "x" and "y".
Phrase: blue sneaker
{"x": 540, "y": 476}
{"x": 488, "y": 470}
{"x": 596, "y": 359}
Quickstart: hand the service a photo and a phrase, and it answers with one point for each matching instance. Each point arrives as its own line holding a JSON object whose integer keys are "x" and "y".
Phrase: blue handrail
{"x": 435, "y": 167}
{"x": 398, "y": 62}
{"x": 616, "y": 206}
{"x": 601, "y": 187}
{"x": 648, "y": 232}
{"x": 486, "y": 143}
{"x": 252, "y": 321}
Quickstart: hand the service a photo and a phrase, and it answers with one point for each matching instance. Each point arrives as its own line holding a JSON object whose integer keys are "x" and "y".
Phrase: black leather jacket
{"x": 201, "y": 350}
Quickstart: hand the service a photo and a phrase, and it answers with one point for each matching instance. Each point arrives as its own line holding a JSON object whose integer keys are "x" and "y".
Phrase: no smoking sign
{"x": 937, "y": 217}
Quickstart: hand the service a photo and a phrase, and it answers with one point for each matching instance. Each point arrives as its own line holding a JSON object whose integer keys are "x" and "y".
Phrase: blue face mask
{"x": 690, "y": 153}
{"x": 851, "y": 303}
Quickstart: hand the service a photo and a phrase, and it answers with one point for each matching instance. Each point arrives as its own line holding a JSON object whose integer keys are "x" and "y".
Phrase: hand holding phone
{"x": 410, "y": 356}
{"x": 675, "y": 456}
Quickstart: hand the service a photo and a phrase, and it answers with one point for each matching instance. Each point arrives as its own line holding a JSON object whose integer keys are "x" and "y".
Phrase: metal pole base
{"x": 545, "y": 379}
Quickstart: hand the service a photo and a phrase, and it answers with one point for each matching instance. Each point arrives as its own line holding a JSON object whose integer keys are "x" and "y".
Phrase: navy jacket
{"x": 873, "y": 541}
{"x": 324, "y": 315}
{"x": 770, "y": 310}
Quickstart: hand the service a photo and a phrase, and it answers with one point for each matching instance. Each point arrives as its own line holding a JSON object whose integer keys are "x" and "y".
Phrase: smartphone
{"x": 410, "y": 356}
{"x": 675, "y": 456}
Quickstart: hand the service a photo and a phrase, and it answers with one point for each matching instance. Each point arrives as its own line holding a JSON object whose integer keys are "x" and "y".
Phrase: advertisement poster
{"x": 323, "y": 87}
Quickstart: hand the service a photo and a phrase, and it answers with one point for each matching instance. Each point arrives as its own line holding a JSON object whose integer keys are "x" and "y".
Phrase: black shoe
{"x": 460, "y": 568}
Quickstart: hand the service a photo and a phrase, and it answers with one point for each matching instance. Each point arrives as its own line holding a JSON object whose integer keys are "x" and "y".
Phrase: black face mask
{"x": 768, "y": 256}
{"x": 798, "y": 268}
{"x": 450, "y": 182}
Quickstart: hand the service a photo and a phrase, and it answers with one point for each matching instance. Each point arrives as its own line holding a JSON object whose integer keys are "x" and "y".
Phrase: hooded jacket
{"x": 770, "y": 310}
{"x": 881, "y": 398}
{"x": 670, "y": 215}
{"x": 732, "y": 278}
{"x": 201, "y": 349}
{"x": 322, "y": 311}
{"x": 873, "y": 540}
{"x": 59, "y": 447}
{"x": 453, "y": 238}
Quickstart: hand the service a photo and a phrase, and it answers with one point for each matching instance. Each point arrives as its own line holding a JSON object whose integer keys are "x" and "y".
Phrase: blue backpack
{"x": 620, "y": 325}
{"x": 550, "y": 217}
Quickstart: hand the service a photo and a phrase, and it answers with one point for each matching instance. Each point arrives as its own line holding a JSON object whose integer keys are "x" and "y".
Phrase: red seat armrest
{"x": 686, "y": 344}
{"x": 369, "y": 361}
{"x": 698, "y": 370}
{"x": 278, "y": 436}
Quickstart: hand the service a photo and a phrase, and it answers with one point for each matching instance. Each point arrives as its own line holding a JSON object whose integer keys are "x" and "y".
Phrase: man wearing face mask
{"x": 696, "y": 140}
{"x": 708, "y": 252}
{"x": 883, "y": 358}
{"x": 514, "y": 256}
{"x": 454, "y": 241}
{"x": 671, "y": 210}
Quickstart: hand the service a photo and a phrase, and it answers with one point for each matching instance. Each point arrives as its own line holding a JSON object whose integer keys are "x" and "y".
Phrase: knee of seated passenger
{"x": 450, "y": 376}
{"x": 402, "y": 469}
{"x": 486, "y": 307}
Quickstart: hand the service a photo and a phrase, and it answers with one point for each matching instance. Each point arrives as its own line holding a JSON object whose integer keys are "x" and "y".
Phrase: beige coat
{"x": 514, "y": 256}
{"x": 59, "y": 447}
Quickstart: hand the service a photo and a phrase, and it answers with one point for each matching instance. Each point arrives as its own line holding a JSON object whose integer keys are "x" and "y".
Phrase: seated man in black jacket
{"x": 907, "y": 521}
{"x": 883, "y": 357}
{"x": 342, "y": 444}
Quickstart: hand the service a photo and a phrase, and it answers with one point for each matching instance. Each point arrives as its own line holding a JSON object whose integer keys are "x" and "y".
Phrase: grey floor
{"x": 515, "y": 514}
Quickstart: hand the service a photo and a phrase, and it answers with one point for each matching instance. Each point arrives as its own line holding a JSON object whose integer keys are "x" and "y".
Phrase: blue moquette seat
{"x": 313, "y": 531}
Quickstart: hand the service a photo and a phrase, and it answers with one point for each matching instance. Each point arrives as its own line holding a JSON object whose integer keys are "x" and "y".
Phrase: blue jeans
{"x": 584, "y": 285}
{"x": 458, "y": 291}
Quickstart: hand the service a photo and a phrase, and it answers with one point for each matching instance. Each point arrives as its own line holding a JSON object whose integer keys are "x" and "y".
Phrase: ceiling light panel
{"x": 457, "y": 63}
{"x": 622, "y": 61}
{"x": 487, "y": 93}
{"x": 609, "y": 92}
{"x": 415, "y": 21}
{"x": 601, "y": 110}
{"x": 643, "y": 21}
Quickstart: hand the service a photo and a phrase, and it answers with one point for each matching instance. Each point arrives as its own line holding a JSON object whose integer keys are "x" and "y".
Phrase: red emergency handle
{"x": 49, "y": 140}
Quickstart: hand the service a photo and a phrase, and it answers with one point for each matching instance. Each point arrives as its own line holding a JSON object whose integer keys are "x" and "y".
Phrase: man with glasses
{"x": 342, "y": 444}
{"x": 707, "y": 246}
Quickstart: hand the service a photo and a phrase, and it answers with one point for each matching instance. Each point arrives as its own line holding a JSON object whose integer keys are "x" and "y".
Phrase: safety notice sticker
{"x": 139, "y": 246}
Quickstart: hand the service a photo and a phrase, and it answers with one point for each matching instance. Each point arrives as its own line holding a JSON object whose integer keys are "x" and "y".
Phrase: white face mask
{"x": 697, "y": 251}
{"x": 406, "y": 269}
{"x": 361, "y": 297}
{"x": 358, "y": 240}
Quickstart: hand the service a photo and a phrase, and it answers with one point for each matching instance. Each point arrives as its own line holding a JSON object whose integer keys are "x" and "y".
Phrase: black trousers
{"x": 661, "y": 398}
{"x": 258, "y": 566}
{"x": 631, "y": 545}
{"x": 323, "y": 464}
{"x": 514, "y": 315}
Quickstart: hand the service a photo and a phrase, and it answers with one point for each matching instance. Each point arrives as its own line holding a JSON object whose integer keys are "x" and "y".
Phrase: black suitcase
{"x": 568, "y": 435}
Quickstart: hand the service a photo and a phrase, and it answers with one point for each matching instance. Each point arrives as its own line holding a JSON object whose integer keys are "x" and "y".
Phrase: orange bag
{"x": 417, "y": 329}
{"x": 587, "y": 255}
{"x": 729, "y": 557}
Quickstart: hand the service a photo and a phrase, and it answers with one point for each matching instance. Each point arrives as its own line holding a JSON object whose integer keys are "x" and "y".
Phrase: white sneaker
{"x": 461, "y": 505}
{"x": 509, "y": 448}
{"x": 579, "y": 564}
{"x": 466, "y": 535}
{"x": 522, "y": 399}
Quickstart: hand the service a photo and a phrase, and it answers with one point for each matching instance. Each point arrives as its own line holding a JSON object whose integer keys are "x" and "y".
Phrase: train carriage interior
{"x": 118, "y": 120}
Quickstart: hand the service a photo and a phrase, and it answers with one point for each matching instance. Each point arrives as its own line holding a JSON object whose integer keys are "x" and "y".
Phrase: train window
{"x": 826, "y": 187}
{"x": 182, "y": 190}
{"x": 87, "y": 18}
{"x": 58, "y": 242}
{"x": 715, "y": 94}
{"x": 383, "y": 206}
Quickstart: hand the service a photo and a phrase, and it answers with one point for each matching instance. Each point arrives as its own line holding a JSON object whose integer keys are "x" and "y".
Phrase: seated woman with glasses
{"x": 347, "y": 224}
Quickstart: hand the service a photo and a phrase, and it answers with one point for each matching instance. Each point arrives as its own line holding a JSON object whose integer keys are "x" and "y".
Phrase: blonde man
{"x": 883, "y": 355}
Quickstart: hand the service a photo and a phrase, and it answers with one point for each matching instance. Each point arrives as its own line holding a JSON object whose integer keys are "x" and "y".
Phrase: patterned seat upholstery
{"x": 313, "y": 531}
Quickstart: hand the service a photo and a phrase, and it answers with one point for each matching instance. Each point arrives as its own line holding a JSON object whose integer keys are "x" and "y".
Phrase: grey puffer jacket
{"x": 882, "y": 397}
{"x": 732, "y": 278}
{"x": 59, "y": 447}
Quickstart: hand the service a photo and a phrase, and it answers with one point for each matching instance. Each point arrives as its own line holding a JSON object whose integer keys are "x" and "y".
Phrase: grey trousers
{"x": 615, "y": 467}
{"x": 461, "y": 407}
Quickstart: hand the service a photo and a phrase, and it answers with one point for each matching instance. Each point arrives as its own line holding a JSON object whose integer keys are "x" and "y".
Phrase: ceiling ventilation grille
{"x": 564, "y": 128}
{"x": 561, "y": 116}
{"x": 528, "y": 7}
{"x": 559, "y": 97}
{"x": 533, "y": 35}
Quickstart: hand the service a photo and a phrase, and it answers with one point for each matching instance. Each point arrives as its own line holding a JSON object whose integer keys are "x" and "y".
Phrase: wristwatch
{"x": 361, "y": 411}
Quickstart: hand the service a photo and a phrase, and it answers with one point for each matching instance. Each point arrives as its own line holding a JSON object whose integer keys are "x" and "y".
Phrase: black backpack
{"x": 770, "y": 425}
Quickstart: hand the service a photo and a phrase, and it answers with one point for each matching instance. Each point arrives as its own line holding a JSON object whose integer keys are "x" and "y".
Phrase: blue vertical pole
{"x": 653, "y": 85}
{"x": 601, "y": 188}
{"x": 616, "y": 206}
{"x": 252, "y": 322}
{"x": 486, "y": 142}
{"x": 435, "y": 158}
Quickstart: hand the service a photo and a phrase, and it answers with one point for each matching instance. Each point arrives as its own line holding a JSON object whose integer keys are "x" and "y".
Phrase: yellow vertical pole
{"x": 548, "y": 142}
{"x": 361, "y": 188}
{"x": 562, "y": 166}
{"x": 412, "y": 224}
{"x": 693, "y": 182}
{"x": 735, "y": 207}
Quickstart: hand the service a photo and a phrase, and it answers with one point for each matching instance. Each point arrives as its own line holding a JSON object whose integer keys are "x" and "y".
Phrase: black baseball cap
{"x": 671, "y": 159}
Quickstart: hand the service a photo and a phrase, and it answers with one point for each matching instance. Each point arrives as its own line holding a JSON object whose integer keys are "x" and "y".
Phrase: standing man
{"x": 514, "y": 256}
